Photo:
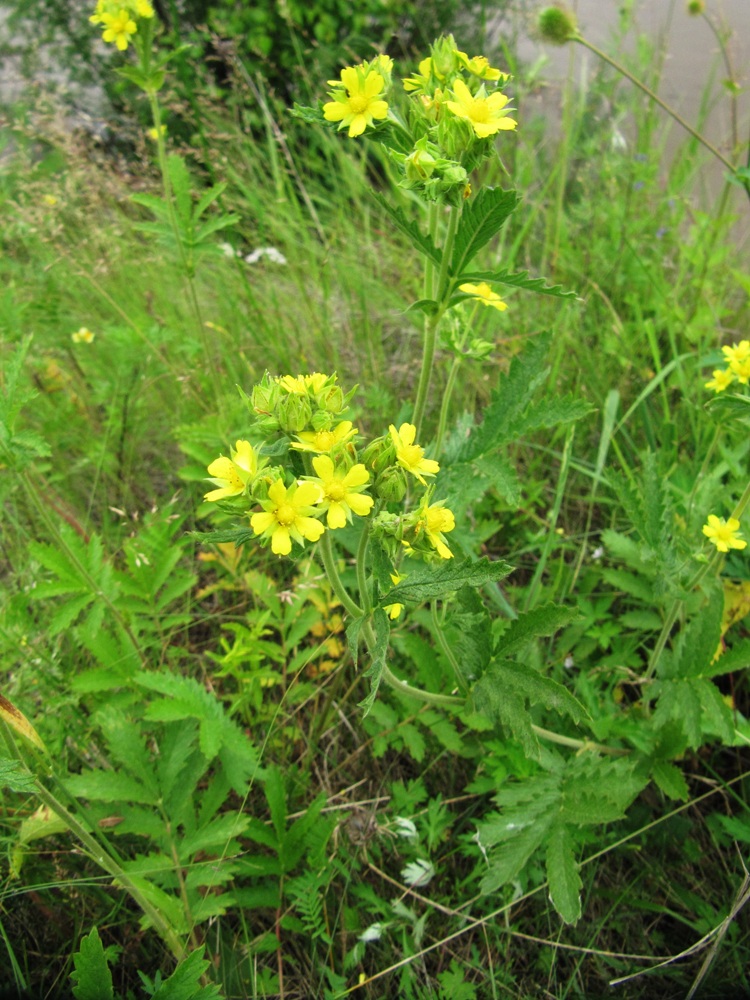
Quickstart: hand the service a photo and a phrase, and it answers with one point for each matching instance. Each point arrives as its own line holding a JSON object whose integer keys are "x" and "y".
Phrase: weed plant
{"x": 379, "y": 763}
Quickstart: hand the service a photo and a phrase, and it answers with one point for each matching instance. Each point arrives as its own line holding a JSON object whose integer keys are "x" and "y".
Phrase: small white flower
{"x": 569, "y": 662}
{"x": 598, "y": 552}
{"x": 227, "y": 249}
{"x": 405, "y": 828}
{"x": 271, "y": 253}
{"x": 418, "y": 872}
{"x": 372, "y": 933}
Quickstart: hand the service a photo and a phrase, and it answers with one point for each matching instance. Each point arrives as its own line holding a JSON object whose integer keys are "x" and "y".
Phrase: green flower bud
{"x": 379, "y": 454}
{"x": 294, "y": 413}
{"x": 331, "y": 399}
{"x": 444, "y": 58}
{"x": 557, "y": 25}
{"x": 695, "y": 7}
{"x": 455, "y": 136}
{"x": 419, "y": 165}
{"x": 322, "y": 421}
{"x": 265, "y": 395}
{"x": 391, "y": 485}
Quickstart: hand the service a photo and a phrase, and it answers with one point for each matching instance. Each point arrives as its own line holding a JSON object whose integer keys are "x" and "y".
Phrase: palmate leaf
{"x": 419, "y": 240}
{"x": 428, "y": 582}
{"x": 481, "y": 219}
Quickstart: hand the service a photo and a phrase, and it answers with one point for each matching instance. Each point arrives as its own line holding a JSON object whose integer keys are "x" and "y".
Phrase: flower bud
{"x": 294, "y": 413}
{"x": 379, "y": 454}
{"x": 321, "y": 421}
{"x": 557, "y": 25}
{"x": 455, "y": 136}
{"x": 419, "y": 165}
{"x": 391, "y": 485}
{"x": 695, "y": 7}
{"x": 265, "y": 396}
{"x": 331, "y": 399}
{"x": 444, "y": 56}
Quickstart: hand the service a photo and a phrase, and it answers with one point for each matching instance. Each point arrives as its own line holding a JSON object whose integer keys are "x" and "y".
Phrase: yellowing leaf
{"x": 18, "y": 722}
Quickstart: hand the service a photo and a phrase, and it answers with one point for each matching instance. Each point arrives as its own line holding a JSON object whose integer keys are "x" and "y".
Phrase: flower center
{"x": 335, "y": 491}
{"x": 286, "y": 514}
{"x": 411, "y": 455}
{"x": 324, "y": 440}
{"x": 358, "y": 103}
{"x": 479, "y": 111}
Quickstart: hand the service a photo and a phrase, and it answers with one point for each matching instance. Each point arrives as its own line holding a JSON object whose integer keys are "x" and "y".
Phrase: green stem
{"x": 329, "y": 563}
{"x": 432, "y": 322}
{"x": 654, "y": 97}
{"x": 100, "y": 854}
{"x": 445, "y": 405}
{"x": 361, "y": 558}
{"x": 445, "y": 646}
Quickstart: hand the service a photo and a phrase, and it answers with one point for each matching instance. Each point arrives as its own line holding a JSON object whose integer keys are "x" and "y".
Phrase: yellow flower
{"x": 740, "y": 367}
{"x": 288, "y": 514}
{"x": 438, "y": 520}
{"x": 420, "y": 81}
{"x": 486, "y": 114}
{"x": 479, "y": 66}
{"x": 484, "y": 294}
{"x": 82, "y": 336}
{"x": 325, "y": 441}
{"x": 342, "y": 491}
{"x": 725, "y": 535}
{"x": 49, "y": 199}
{"x": 736, "y": 352}
{"x": 143, "y": 8}
{"x": 722, "y": 377}
{"x": 358, "y": 105}
{"x": 152, "y": 133}
{"x": 118, "y": 28}
{"x": 409, "y": 455}
{"x": 394, "y": 610}
{"x": 231, "y": 475}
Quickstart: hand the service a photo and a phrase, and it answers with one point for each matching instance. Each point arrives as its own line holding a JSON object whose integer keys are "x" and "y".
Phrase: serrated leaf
{"x": 481, "y": 219}
{"x": 551, "y": 412}
{"x": 596, "y": 791}
{"x": 14, "y": 776}
{"x": 527, "y": 371}
{"x": 562, "y": 874}
{"x": 185, "y": 981}
{"x": 536, "y": 688}
{"x": 670, "y": 780}
{"x": 427, "y": 582}
{"x": 378, "y": 654}
{"x": 91, "y": 975}
{"x": 468, "y": 630}
{"x": 109, "y": 786}
{"x": 419, "y": 240}
{"x": 519, "y": 279}
{"x": 542, "y": 621}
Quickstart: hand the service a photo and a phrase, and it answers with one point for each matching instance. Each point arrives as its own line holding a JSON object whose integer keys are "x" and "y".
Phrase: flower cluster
{"x": 737, "y": 357}
{"x": 119, "y": 19}
{"x": 454, "y": 112}
{"x": 322, "y": 482}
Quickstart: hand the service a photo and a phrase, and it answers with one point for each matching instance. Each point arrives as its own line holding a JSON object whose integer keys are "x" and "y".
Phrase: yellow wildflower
{"x": 358, "y": 104}
{"x": 341, "y": 491}
{"x": 722, "y": 378}
{"x": 152, "y": 133}
{"x": 438, "y": 520}
{"x": 736, "y": 352}
{"x": 725, "y": 535}
{"x": 409, "y": 455}
{"x": 487, "y": 115}
{"x": 420, "y": 81}
{"x": 479, "y": 66}
{"x": 82, "y": 336}
{"x": 118, "y": 28}
{"x": 49, "y": 199}
{"x": 289, "y": 514}
{"x": 484, "y": 294}
{"x": 740, "y": 368}
{"x": 325, "y": 441}
{"x": 143, "y": 8}
{"x": 231, "y": 475}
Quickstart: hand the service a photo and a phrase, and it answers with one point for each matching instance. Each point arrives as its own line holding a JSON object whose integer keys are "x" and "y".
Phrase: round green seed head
{"x": 556, "y": 25}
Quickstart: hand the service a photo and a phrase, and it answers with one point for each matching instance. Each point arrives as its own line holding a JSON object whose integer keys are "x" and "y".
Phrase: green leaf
{"x": 562, "y": 873}
{"x": 184, "y": 983}
{"x": 481, "y": 219}
{"x": 91, "y": 975}
{"x": 378, "y": 654}
{"x": 427, "y": 582}
{"x": 670, "y": 780}
{"x": 14, "y": 776}
{"x": 518, "y": 279}
{"x": 535, "y": 688}
{"x": 109, "y": 786}
{"x": 595, "y": 791}
{"x": 542, "y": 621}
{"x": 468, "y": 630}
{"x": 419, "y": 240}
{"x": 179, "y": 177}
